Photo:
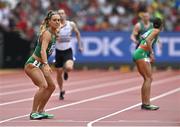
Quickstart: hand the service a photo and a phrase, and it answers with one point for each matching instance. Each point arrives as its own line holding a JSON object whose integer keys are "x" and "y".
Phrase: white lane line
{"x": 15, "y": 84}
{"x": 133, "y": 126}
{"x": 133, "y": 106}
{"x": 79, "y": 82}
{"x": 100, "y": 77}
{"x": 17, "y": 91}
{"x": 91, "y": 88}
{"x": 78, "y": 102}
{"x": 96, "y": 98}
{"x": 83, "y": 126}
{"x": 11, "y": 83}
{"x": 110, "y": 121}
{"x": 79, "y": 89}
{"x": 50, "y": 126}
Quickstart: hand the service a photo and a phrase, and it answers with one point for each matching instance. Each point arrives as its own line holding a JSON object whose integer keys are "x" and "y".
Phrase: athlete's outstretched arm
{"x": 78, "y": 35}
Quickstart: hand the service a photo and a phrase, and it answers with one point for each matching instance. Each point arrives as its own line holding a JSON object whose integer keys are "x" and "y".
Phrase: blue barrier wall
{"x": 117, "y": 47}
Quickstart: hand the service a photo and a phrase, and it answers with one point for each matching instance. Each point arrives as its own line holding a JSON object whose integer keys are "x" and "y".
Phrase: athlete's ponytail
{"x": 44, "y": 24}
{"x": 157, "y": 22}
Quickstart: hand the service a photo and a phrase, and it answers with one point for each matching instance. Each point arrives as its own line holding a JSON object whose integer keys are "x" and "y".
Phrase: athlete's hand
{"x": 80, "y": 48}
{"x": 136, "y": 42}
{"x": 47, "y": 70}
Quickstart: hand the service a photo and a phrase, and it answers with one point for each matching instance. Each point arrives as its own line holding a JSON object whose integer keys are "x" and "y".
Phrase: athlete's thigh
{"x": 36, "y": 75}
{"x": 144, "y": 68}
{"x": 50, "y": 81}
{"x": 48, "y": 77}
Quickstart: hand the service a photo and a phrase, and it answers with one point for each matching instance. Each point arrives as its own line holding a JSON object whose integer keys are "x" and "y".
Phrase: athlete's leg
{"x": 68, "y": 63}
{"x": 38, "y": 79}
{"x": 60, "y": 82}
{"x": 48, "y": 92}
{"x": 144, "y": 69}
{"x": 60, "y": 60}
{"x": 59, "y": 78}
{"x": 68, "y": 66}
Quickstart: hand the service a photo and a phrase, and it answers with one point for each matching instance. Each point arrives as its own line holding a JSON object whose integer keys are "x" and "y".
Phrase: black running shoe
{"x": 65, "y": 76}
{"x": 61, "y": 95}
{"x": 149, "y": 107}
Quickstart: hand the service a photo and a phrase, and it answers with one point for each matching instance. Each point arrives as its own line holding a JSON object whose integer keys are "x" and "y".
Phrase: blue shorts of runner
{"x": 62, "y": 56}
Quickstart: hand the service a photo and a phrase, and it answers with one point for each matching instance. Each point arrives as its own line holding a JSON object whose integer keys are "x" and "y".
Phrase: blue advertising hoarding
{"x": 117, "y": 47}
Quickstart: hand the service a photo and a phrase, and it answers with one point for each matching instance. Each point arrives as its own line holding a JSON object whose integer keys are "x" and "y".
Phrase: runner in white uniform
{"x": 64, "y": 56}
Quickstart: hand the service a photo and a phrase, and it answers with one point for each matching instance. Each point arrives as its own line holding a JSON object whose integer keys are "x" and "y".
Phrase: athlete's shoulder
{"x": 137, "y": 26}
{"x": 71, "y": 22}
{"x": 46, "y": 34}
{"x": 156, "y": 30}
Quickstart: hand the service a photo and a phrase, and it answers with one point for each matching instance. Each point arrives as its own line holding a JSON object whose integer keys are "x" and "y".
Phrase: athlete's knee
{"x": 51, "y": 87}
{"x": 59, "y": 71}
{"x": 43, "y": 86}
{"x": 69, "y": 65}
{"x": 69, "y": 68}
{"x": 148, "y": 78}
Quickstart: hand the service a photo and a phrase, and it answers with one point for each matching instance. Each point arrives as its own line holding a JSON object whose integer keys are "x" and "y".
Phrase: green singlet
{"x": 143, "y": 30}
{"x": 140, "y": 53}
{"x": 37, "y": 51}
{"x": 50, "y": 48}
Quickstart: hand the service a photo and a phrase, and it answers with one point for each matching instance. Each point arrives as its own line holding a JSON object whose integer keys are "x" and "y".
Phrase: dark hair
{"x": 157, "y": 22}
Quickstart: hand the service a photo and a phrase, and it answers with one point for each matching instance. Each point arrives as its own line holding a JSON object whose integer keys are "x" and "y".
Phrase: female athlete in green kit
{"x": 143, "y": 56}
{"x": 37, "y": 67}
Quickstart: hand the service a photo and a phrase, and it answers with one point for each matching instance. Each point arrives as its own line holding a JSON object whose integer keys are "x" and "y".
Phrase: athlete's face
{"x": 62, "y": 14}
{"x": 146, "y": 17}
{"x": 55, "y": 21}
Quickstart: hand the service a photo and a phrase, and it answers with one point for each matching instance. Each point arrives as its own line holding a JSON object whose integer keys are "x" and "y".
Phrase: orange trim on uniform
{"x": 144, "y": 47}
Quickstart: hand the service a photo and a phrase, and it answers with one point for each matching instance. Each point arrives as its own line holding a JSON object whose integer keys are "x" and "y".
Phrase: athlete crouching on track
{"x": 37, "y": 67}
{"x": 143, "y": 57}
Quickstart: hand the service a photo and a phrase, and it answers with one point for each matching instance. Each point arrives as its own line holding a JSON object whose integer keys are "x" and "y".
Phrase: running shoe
{"x": 36, "y": 116}
{"x": 47, "y": 115}
{"x": 149, "y": 107}
{"x": 65, "y": 76}
{"x": 61, "y": 95}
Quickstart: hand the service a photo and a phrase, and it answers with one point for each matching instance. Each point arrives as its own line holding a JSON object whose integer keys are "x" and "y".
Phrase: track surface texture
{"x": 94, "y": 98}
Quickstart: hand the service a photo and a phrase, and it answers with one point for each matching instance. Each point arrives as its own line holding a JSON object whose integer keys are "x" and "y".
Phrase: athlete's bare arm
{"x": 45, "y": 39}
{"x": 135, "y": 33}
{"x": 149, "y": 41}
{"x": 78, "y": 35}
{"x": 150, "y": 38}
